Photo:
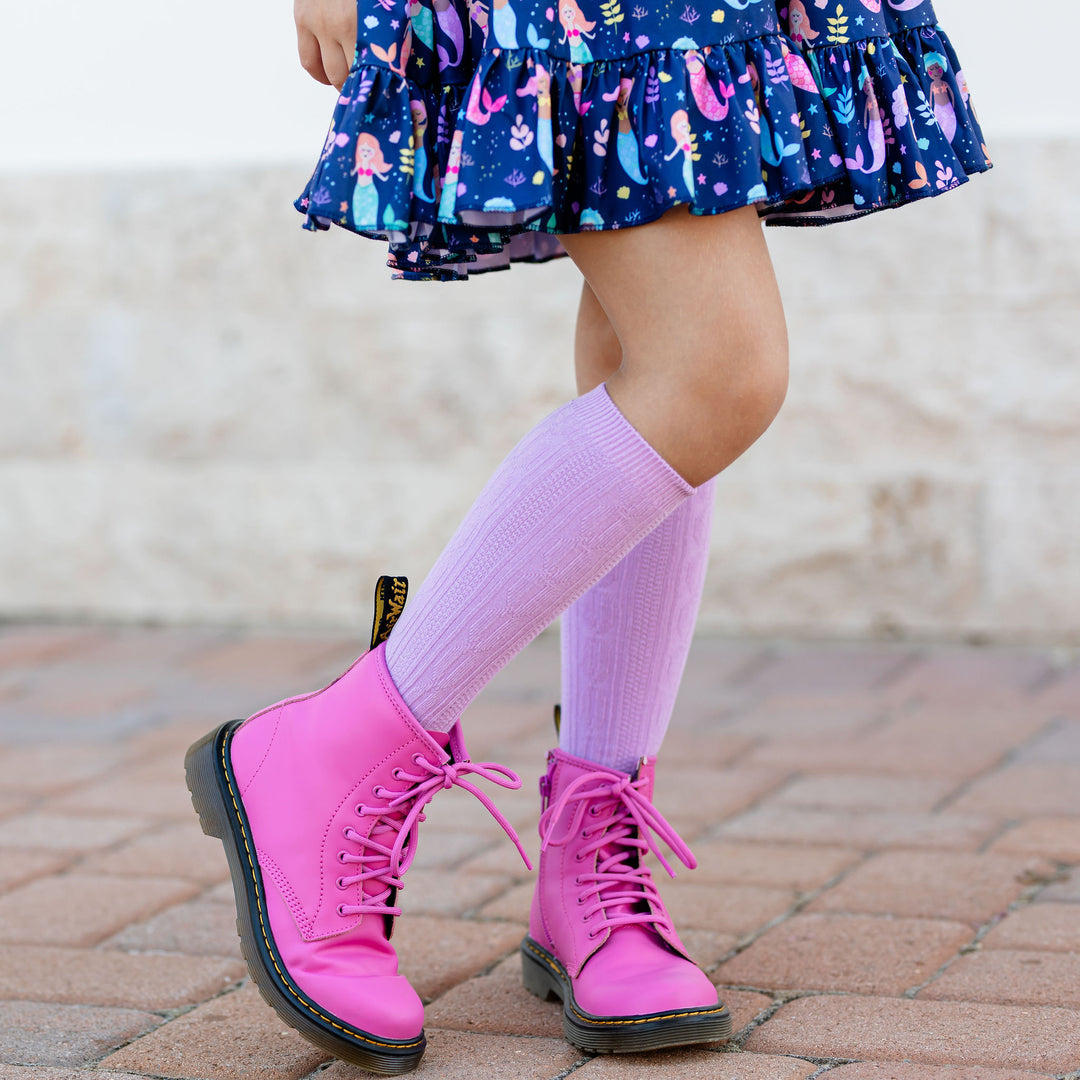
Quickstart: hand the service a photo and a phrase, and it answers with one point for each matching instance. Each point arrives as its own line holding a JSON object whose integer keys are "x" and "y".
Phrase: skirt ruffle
{"x": 471, "y": 176}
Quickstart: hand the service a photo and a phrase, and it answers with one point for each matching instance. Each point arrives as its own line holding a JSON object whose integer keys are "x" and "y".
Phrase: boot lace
{"x": 621, "y": 889}
{"x": 387, "y": 852}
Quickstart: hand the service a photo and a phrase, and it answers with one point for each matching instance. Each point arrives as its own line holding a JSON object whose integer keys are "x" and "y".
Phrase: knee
{"x": 706, "y": 413}
{"x": 733, "y": 407}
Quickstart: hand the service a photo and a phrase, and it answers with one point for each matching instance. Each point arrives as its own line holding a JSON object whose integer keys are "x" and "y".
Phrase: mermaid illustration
{"x": 576, "y": 28}
{"x": 576, "y": 76}
{"x": 710, "y": 106}
{"x": 370, "y": 165}
{"x": 941, "y": 93}
{"x": 448, "y": 200}
{"x": 539, "y": 84}
{"x": 450, "y": 24}
{"x": 504, "y": 23}
{"x": 685, "y": 145}
{"x": 875, "y": 131}
{"x": 420, "y": 122}
{"x": 799, "y": 22}
{"x": 626, "y": 146}
{"x": 422, "y": 22}
{"x": 478, "y": 13}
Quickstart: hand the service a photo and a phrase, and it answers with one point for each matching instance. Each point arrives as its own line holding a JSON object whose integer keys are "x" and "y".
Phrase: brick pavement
{"x": 889, "y": 839}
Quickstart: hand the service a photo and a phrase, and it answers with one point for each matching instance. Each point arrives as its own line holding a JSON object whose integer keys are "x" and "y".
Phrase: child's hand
{"x": 326, "y": 38}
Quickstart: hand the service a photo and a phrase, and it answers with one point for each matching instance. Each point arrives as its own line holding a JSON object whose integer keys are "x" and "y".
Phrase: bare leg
{"x": 695, "y": 307}
{"x": 626, "y": 641}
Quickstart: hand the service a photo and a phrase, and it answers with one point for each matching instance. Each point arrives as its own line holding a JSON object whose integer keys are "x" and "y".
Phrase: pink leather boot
{"x": 599, "y": 937}
{"x": 316, "y": 800}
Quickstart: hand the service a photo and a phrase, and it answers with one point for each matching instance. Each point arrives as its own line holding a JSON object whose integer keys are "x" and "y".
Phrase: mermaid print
{"x": 685, "y": 144}
{"x": 602, "y": 115}
{"x": 875, "y": 131}
{"x": 539, "y": 86}
{"x": 799, "y": 22}
{"x": 448, "y": 200}
{"x": 626, "y": 146}
{"x": 420, "y": 164}
{"x": 709, "y": 105}
{"x": 422, "y": 22}
{"x": 450, "y": 24}
{"x": 504, "y": 23}
{"x": 370, "y": 165}
{"x": 941, "y": 94}
{"x": 576, "y": 28}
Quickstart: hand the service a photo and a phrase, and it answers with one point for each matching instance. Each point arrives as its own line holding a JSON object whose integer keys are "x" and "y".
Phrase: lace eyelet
{"x": 340, "y": 883}
{"x": 591, "y": 935}
{"x": 580, "y": 900}
{"x": 594, "y": 811}
{"x": 396, "y": 774}
{"x": 341, "y": 910}
{"x": 585, "y": 834}
{"x": 341, "y": 857}
{"x": 578, "y": 857}
{"x": 379, "y": 792}
{"x": 417, "y": 758}
{"x": 359, "y": 808}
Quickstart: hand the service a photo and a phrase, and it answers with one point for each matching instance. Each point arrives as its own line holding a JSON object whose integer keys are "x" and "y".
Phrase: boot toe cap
{"x": 385, "y": 1006}
{"x": 641, "y": 980}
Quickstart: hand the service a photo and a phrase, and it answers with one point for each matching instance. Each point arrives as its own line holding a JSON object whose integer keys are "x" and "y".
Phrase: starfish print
{"x": 394, "y": 24}
{"x": 812, "y": 110}
{"x": 816, "y": 155}
{"x": 707, "y": 136}
{"x": 701, "y": 178}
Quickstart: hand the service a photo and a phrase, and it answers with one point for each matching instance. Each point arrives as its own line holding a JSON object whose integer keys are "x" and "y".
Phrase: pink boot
{"x": 316, "y": 800}
{"x": 599, "y": 937}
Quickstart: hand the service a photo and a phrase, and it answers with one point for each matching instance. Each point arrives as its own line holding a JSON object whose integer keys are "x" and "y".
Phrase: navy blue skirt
{"x": 470, "y": 133}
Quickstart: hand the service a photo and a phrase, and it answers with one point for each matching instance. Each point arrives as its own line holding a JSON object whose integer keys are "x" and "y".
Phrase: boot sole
{"x": 548, "y": 979}
{"x": 215, "y": 796}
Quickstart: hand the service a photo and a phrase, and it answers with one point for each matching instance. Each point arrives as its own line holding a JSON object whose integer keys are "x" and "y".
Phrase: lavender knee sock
{"x": 625, "y": 642}
{"x": 570, "y": 500}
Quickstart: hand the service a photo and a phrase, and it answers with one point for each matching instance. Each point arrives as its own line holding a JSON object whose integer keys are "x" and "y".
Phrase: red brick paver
{"x": 1038, "y": 926}
{"x": 890, "y": 833}
{"x": 878, "y": 1070}
{"x": 859, "y": 953}
{"x": 928, "y": 1032}
{"x": 928, "y": 884}
{"x": 1011, "y": 977}
{"x": 229, "y": 1037}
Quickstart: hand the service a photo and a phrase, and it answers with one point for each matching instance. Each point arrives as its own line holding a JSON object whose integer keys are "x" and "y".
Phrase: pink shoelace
{"x": 400, "y": 815}
{"x": 628, "y": 820}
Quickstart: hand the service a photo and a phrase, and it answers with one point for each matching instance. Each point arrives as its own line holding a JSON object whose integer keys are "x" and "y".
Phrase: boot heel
{"x": 200, "y": 772}
{"x": 538, "y": 978}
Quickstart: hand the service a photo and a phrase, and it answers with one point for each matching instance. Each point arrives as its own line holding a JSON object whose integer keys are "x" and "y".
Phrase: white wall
{"x": 92, "y": 84}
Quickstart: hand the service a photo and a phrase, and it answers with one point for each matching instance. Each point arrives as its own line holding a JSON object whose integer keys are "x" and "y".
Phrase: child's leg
{"x": 696, "y": 308}
{"x": 625, "y": 642}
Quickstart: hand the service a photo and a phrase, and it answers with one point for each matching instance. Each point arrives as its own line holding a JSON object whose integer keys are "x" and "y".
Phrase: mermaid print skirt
{"x": 482, "y": 129}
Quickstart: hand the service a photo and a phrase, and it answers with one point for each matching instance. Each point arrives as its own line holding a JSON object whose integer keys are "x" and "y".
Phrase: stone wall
{"x": 211, "y": 416}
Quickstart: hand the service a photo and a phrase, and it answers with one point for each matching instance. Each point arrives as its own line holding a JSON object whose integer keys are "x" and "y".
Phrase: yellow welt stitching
{"x": 642, "y": 1020}
{"x": 351, "y": 1032}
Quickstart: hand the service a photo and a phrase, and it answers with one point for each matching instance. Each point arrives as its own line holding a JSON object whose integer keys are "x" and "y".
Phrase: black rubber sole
{"x": 221, "y": 813}
{"x": 547, "y": 978}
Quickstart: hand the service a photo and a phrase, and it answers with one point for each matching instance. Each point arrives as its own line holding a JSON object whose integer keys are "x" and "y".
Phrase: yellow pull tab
{"x": 558, "y": 718}
{"x": 390, "y": 594}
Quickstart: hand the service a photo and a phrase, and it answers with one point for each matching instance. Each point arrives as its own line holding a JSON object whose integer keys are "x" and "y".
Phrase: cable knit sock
{"x": 625, "y": 642}
{"x": 570, "y": 500}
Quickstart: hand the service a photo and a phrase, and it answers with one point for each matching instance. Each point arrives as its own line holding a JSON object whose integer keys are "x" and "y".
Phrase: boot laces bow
{"x": 388, "y": 850}
{"x": 621, "y": 888}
